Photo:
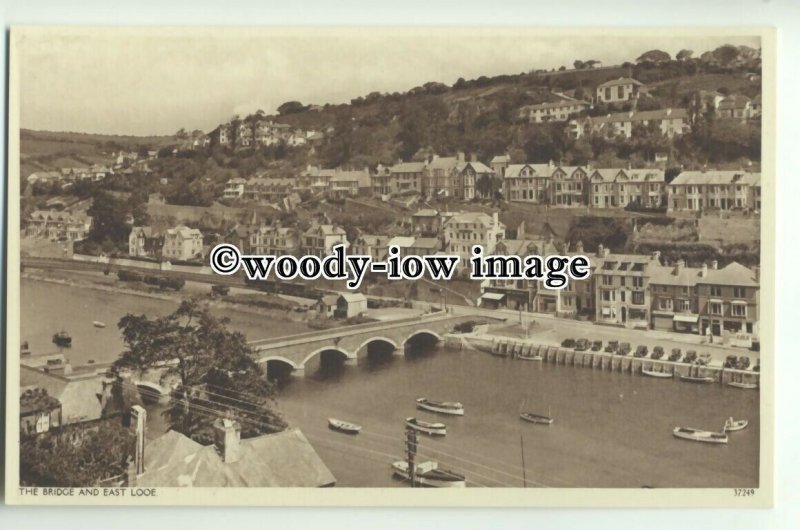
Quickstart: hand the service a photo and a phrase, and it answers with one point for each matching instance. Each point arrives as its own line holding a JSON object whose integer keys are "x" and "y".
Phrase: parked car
{"x": 568, "y": 343}
{"x": 675, "y": 355}
{"x": 612, "y": 346}
{"x": 690, "y": 357}
{"x": 624, "y": 348}
{"x": 582, "y": 345}
{"x": 744, "y": 363}
{"x": 641, "y": 351}
{"x": 597, "y": 345}
{"x": 731, "y": 361}
{"x": 658, "y": 353}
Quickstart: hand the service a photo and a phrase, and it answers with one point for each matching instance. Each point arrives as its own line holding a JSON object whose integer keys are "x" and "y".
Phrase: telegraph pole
{"x": 522, "y": 452}
{"x": 411, "y": 453}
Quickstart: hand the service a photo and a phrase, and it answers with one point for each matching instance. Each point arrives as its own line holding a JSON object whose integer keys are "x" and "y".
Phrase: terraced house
{"x": 527, "y": 182}
{"x": 567, "y": 186}
{"x": 618, "y": 90}
{"x": 717, "y": 189}
{"x": 670, "y": 122}
{"x": 621, "y": 283}
{"x": 552, "y": 111}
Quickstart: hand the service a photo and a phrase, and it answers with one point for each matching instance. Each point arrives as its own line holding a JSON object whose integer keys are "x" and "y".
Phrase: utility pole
{"x": 411, "y": 453}
{"x": 522, "y": 452}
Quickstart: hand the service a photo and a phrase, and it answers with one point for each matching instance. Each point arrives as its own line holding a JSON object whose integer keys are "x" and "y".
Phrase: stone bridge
{"x": 353, "y": 342}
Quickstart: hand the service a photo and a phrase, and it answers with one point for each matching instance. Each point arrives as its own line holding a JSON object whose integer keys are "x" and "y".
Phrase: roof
{"x": 736, "y": 101}
{"x": 677, "y": 276}
{"x": 352, "y": 297}
{"x": 500, "y": 159}
{"x": 328, "y": 230}
{"x": 713, "y": 177}
{"x": 443, "y": 162}
{"x": 645, "y": 115}
{"x": 362, "y": 177}
{"x": 401, "y": 241}
{"x": 556, "y": 104}
{"x": 605, "y": 174}
{"x": 408, "y": 167}
{"x": 644, "y": 175}
{"x": 426, "y": 242}
{"x": 425, "y": 212}
{"x": 478, "y": 167}
{"x": 284, "y": 459}
{"x": 621, "y": 81}
{"x": 472, "y": 217}
{"x": 329, "y": 299}
{"x": 184, "y": 232}
{"x": 733, "y": 274}
{"x": 81, "y": 398}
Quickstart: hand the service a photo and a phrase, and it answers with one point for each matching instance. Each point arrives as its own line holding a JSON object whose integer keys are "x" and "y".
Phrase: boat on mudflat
{"x": 98, "y": 324}
{"x": 63, "y": 339}
{"x": 653, "y": 373}
{"x": 344, "y": 426}
{"x": 429, "y": 474}
{"x": 540, "y": 419}
{"x": 434, "y": 429}
{"x": 734, "y": 425}
{"x": 443, "y": 407}
{"x": 742, "y": 384}
{"x": 697, "y": 379}
{"x": 697, "y": 435}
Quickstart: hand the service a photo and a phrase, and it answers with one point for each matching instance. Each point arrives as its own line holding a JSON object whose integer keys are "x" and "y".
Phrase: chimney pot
{"x": 714, "y": 264}
{"x": 600, "y": 250}
{"x": 704, "y": 271}
{"x": 579, "y": 247}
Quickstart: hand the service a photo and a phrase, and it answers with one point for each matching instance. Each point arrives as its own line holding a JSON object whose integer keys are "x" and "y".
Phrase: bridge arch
{"x": 151, "y": 391}
{"x": 347, "y": 354}
{"x": 379, "y": 339}
{"x": 418, "y": 332}
{"x": 279, "y": 358}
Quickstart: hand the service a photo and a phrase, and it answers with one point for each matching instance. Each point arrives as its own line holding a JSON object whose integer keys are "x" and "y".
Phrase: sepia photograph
{"x": 140, "y": 370}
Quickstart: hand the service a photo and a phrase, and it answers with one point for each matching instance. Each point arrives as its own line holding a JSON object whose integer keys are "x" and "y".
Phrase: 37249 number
{"x": 744, "y": 492}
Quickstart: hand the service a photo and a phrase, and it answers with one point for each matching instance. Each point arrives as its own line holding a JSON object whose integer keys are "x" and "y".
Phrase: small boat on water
{"x": 697, "y": 379}
{"x": 63, "y": 339}
{"x": 697, "y": 435}
{"x": 653, "y": 373}
{"x": 344, "y": 426}
{"x": 98, "y": 324}
{"x": 540, "y": 419}
{"x": 443, "y": 407}
{"x": 434, "y": 429}
{"x": 530, "y": 357}
{"x": 429, "y": 474}
{"x": 734, "y": 425}
{"x": 742, "y": 384}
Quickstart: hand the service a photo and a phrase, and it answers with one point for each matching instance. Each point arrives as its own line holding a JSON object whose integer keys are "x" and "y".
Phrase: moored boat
{"x": 734, "y": 425}
{"x": 63, "y": 339}
{"x": 653, "y": 373}
{"x": 697, "y": 435}
{"x": 443, "y": 407}
{"x": 435, "y": 429}
{"x": 344, "y": 426}
{"x": 98, "y": 324}
{"x": 742, "y": 384}
{"x": 536, "y": 418}
{"x": 697, "y": 379}
{"x": 530, "y": 357}
{"x": 429, "y": 474}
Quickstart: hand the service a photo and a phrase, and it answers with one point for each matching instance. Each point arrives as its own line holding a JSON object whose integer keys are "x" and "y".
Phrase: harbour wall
{"x": 599, "y": 360}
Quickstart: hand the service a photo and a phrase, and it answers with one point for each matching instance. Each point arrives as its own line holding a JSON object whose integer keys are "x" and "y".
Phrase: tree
{"x": 76, "y": 456}
{"x": 214, "y": 367}
{"x": 579, "y": 65}
{"x": 486, "y": 185}
{"x": 181, "y": 134}
{"x": 108, "y": 215}
{"x": 684, "y": 55}
{"x": 291, "y": 107}
{"x": 653, "y": 56}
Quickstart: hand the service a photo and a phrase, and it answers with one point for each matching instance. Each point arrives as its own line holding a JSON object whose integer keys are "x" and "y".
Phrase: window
{"x": 715, "y": 308}
{"x": 683, "y": 305}
{"x": 739, "y": 310}
{"x": 665, "y": 304}
{"x": 621, "y": 92}
{"x": 608, "y": 280}
{"x": 738, "y": 292}
{"x": 638, "y": 281}
{"x": 637, "y": 297}
{"x": 716, "y": 291}
{"x": 609, "y": 296}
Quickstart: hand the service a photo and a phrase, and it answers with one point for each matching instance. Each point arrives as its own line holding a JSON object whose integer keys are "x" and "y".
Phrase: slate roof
{"x": 81, "y": 398}
{"x": 621, "y": 81}
{"x": 284, "y": 459}
{"x": 711, "y": 177}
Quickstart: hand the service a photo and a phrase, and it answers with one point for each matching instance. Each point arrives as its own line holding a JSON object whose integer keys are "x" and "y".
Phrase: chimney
{"x": 600, "y": 250}
{"x": 227, "y": 435}
{"x": 566, "y": 247}
{"x": 704, "y": 271}
{"x": 495, "y": 219}
{"x": 714, "y": 264}
{"x": 473, "y": 157}
{"x": 757, "y": 270}
{"x": 656, "y": 256}
{"x": 579, "y": 247}
{"x": 679, "y": 266}
{"x": 138, "y": 422}
{"x": 606, "y": 252}
{"x": 460, "y": 156}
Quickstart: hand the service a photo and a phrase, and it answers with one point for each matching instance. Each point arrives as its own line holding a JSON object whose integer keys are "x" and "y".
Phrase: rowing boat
{"x": 434, "y": 429}
{"x": 443, "y": 407}
{"x": 344, "y": 426}
{"x": 429, "y": 474}
{"x": 697, "y": 435}
{"x": 653, "y": 373}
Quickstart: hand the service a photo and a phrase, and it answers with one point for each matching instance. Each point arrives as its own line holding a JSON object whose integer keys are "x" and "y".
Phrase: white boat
{"x": 697, "y": 379}
{"x": 653, "y": 373}
{"x": 434, "y": 429}
{"x": 429, "y": 474}
{"x": 734, "y": 425}
{"x": 344, "y": 426}
{"x": 742, "y": 384}
{"x": 443, "y": 407}
{"x": 540, "y": 419}
{"x": 98, "y": 324}
{"x": 530, "y": 357}
{"x": 697, "y": 435}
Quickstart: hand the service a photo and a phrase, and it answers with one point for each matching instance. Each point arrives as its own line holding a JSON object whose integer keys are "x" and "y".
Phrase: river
{"x": 610, "y": 429}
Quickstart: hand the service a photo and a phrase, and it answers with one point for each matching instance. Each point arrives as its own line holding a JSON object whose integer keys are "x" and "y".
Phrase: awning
{"x": 606, "y": 312}
{"x": 689, "y": 319}
{"x": 493, "y": 296}
{"x": 715, "y": 301}
{"x": 739, "y": 302}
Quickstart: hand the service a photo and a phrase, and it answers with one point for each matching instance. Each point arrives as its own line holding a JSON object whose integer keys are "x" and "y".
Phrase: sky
{"x": 156, "y": 81}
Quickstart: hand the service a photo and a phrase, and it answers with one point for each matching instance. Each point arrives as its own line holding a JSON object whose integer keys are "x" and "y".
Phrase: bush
{"x": 464, "y": 327}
